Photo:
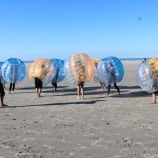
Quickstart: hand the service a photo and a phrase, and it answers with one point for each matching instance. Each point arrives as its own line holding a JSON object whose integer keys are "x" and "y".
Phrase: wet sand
{"x": 57, "y": 125}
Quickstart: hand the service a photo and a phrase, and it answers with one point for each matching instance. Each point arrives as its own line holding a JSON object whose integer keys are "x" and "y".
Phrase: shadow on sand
{"x": 132, "y": 94}
{"x": 56, "y": 104}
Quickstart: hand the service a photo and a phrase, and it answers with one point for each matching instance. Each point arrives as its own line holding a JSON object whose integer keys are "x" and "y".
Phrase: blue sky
{"x": 31, "y": 29}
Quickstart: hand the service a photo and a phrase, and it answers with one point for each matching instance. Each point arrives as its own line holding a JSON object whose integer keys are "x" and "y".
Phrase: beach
{"x": 57, "y": 125}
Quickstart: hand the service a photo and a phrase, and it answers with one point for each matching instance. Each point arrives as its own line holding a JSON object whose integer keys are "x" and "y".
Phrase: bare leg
{"x": 102, "y": 85}
{"x": 37, "y": 91}
{"x": 40, "y": 91}
{"x": 78, "y": 92}
{"x": 2, "y": 98}
{"x": 2, "y": 102}
{"x": 82, "y": 92}
{"x": 154, "y": 97}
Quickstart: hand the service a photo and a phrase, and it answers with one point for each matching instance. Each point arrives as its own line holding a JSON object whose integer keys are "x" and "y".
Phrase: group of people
{"x": 80, "y": 86}
{"x": 39, "y": 85}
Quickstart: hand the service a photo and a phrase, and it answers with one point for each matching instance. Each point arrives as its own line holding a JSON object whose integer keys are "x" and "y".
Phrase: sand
{"x": 57, "y": 125}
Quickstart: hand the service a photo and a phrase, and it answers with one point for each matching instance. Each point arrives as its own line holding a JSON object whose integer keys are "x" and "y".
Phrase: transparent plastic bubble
{"x": 110, "y": 70}
{"x": 1, "y": 77}
{"x": 42, "y": 69}
{"x": 79, "y": 68}
{"x": 13, "y": 70}
{"x": 146, "y": 75}
{"x": 153, "y": 63}
{"x": 59, "y": 66}
{"x": 95, "y": 76}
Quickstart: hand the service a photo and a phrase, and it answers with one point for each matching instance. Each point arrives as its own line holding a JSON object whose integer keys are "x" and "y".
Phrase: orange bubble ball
{"x": 153, "y": 63}
{"x": 41, "y": 69}
{"x": 81, "y": 67}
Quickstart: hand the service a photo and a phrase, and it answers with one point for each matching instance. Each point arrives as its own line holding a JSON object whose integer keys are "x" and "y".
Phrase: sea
{"x": 131, "y": 59}
{"x": 122, "y": 59}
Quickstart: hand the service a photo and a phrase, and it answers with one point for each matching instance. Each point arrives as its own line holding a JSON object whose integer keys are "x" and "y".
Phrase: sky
{"x": 32, "y": 29}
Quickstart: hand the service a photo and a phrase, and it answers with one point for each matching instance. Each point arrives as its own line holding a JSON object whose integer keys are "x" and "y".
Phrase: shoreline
{"x": 122, "y": 59}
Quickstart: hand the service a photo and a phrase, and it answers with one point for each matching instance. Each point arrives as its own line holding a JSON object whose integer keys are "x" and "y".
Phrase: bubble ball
{"x": 13, "y": 70}
{"x": 147, "y": 75}
{"x": 79, "y": 68}
{"x": 153, "y": 63}
{"x": 95, "y": 77}
{"x": 59, "y": 66}
{"x": 1, "y": 78}
{"x": 42, "y": 69}
{"x": 1, "y": 71}
{"x": 103, "y": 70}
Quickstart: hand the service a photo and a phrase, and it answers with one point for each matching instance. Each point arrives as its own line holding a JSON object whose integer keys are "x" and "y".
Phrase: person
{"x": 2, "y": 94}
{"x": 154, "y": 87}
{"x": 96, "y": 78}
{"x": 112, "y": 78}
{"x": 154, "y": 94}
{"x": 54, "y": 81}
{"x": 102, "y": 85}
{"x": 14, "y": 73}
{"x": 11, "y": 88}
{"x": 2, "y": 80}
{"x": 80, "y": 69}
{"x": 38, "y": 86}
{"x": 80, "y": 90}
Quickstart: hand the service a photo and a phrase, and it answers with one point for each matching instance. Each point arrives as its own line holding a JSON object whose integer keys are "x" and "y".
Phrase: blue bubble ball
{"x": 13, "y": 70}
{"x": 104, "y": 73}
{"x": 1, "y": 78}
{"x": 59, "y": 66}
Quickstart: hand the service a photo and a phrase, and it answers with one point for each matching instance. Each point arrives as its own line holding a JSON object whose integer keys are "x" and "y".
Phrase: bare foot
{"x": 78, "y": 97}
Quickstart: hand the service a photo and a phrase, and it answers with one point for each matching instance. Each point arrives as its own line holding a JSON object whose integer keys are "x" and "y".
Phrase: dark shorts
{"x": 80, "y": 84}
{"x": 38, "y": 83}
{"x": 2, "y": 94}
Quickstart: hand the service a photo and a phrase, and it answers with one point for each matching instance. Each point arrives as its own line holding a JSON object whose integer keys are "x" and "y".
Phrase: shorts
{"x": 80, "y": 84}
{"x": 2, "y": 93}
{"x": 38, "y": 83}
